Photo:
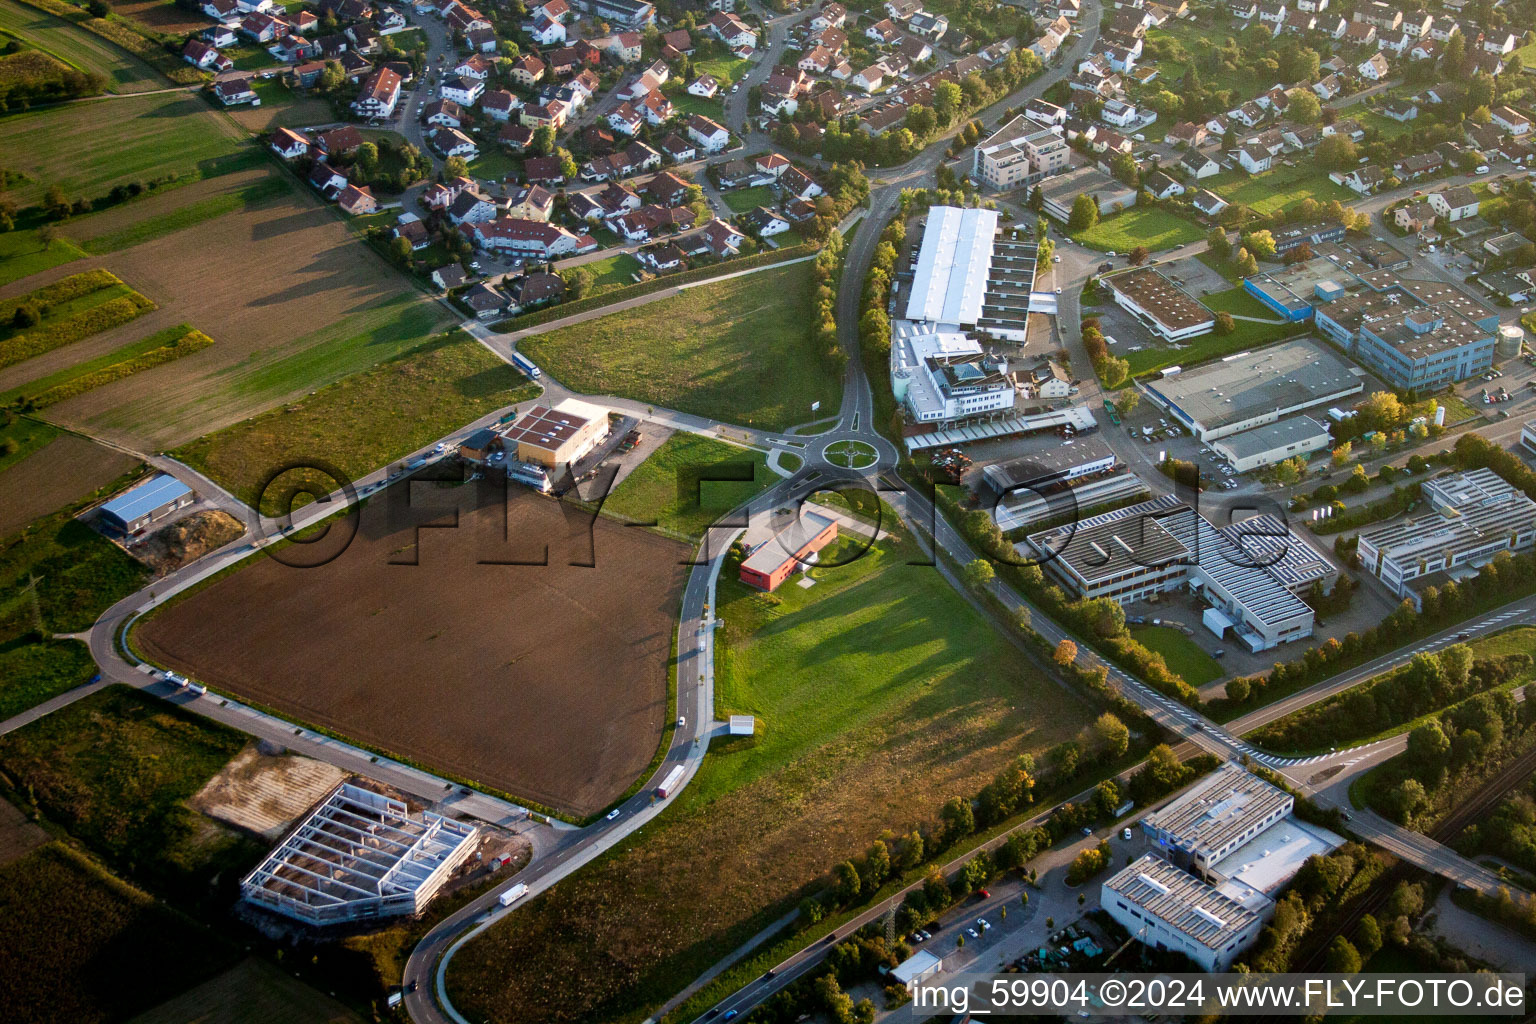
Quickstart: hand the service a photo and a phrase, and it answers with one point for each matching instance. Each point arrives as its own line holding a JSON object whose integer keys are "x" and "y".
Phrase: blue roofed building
{"x": 135, "y": 509}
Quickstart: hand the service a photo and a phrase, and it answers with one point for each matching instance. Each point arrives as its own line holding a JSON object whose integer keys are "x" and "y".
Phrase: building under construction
{"x": 359, "y": 855}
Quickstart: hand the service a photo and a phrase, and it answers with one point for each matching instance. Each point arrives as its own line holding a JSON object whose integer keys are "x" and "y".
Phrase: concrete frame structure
{"x": 359, "y": 855}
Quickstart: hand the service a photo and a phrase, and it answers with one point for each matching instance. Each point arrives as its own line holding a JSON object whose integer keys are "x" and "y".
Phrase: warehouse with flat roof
{"x": 1273, "y": 442}
{"x": 1070, "y": 460}
{"x": 1156, "y": 301}
{"x": 1166, "y": 908}
{"x": 949, "y": 280}
{"x": 145, "y": 503}
{"x": 1163, "y": 545}
{"x": 1215, "y": 816}
{"x": 1476, "y": 515}
{"x": 1251, "y": 389}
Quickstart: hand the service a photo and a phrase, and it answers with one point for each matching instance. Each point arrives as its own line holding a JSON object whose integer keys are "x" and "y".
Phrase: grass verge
{"x": 1182, "y": 654}
{"x": 673, "y": 487}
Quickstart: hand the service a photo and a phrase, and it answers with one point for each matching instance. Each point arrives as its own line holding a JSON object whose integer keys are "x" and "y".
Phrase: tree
{"x": 55, "y": 203}
{"x": 1139, "y": 255}
{"x": 98, "y": 8}
{"x": 1085, "y": 214}
{"x": 1125, "y": 168}
{"x": 1128, "y": 402}
{"x": 1340, "y": 455}
{"x": 1382, "y": 410}
{"x": 1220, "y": 244}
{"x": 1247, "y": 266}
{"x": 846, "y": 881}
{"x": 1225, "y": 324}
{"x": 921, "y": 121}
{"x": 1342, "y": 957}
{"x": 1305, "y": 107}
{"x": 1368, "y": 936}
{"x": 978, "y": 573}
{"x": 1113, "y": 734}
{"x": 1336, "y": 153}
{"x": 912, "y": 850}
{"x": 959, "y": 820}
{"x": 1238, "y": 690}
{"x": 455, "y": 167}
{"x": 400, "y": 250}
{"x": 946, "y": 103}
{"x": 1066, "y": 653}
{"x": 1261, "y": 243}
{"x": 578, "y": 282}
{"x": 1036, "y": 198}
{"x": 1428, "y": 745}
{"x": 543, "y": 140}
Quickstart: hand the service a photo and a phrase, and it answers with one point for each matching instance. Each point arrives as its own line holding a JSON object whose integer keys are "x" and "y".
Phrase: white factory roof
{"x": 1271, "y": 436}
{"x": 953, "y": 264}
{"x": 1217, "y": 809}
{"x": 912, "y": 345}
{"x": 1256, "y": 870}
{"x": 1471, "y": 510}
{"x": 1183, "y": 902}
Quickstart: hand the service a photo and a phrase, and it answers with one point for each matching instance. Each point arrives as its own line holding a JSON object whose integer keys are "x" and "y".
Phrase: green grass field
{"x": 878, "y": 693}
{"x": 727, "y": 70}
{"x": 88, "y": 147}
{"x": 90, "y": 53}
{"x": 21, "y": 437}
{"x": 738, "y": 351}
{"x": 664, "y": 488}
{"x": 35, "y": 672}
{"x": 743, "y": 199}
{"x": 1182, "y": 654}
{"x": 364, "y": 421}
{"x": 1277, "y": 189}
{"x": 687, "y": 103}
{"x": 348, "y": 346}
{"x": 23, "y": 254}
{"x": 495, "y": 164}
{"x": 153, "y": 227}
{"x": 613, "y": 272}
{"x": 1245, "y": 335}
{"x": 1148, "y": 226}
{"x": 82, "y": 946}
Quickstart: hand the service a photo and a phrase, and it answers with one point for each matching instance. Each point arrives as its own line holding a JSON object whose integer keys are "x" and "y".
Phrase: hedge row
{"x": 124, "y": 35}
{"x": 66, "y": 289}
{"x": 113, "y": 313}
{"x": 655, "y": 284}
{"x": 188, "y": 343}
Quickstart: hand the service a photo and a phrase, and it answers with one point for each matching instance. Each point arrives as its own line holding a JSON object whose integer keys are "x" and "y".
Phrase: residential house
{"x": 527, "y": 70}
{"x": 452, "y": 142}
{"x": 1197, "y": 165}
{"x": 546, "y": 32}
{"x": 1415, "y": 216}
{"x": 1400, "y": 110}
{"x": 678, "y": 149}
{"x": 533, "y": 289}
{"x": 710, "y": 136}
{"x": 199, "y": 54}
{"x": 450, "y": 277}
{"x": 625, "y": 118}
{"x": 500, "y": 104}
{"x": 464, "y": 91}
{"x": 731, "y": 30}
{"x": 443, "y": 114}
{"x": 553, "y": 114}
{"x": 763, "y": 222}
{"x": 883, "y": 32}
{"x": 516, "y": 136}
{"x": 1374, "y": 68}
{"x": 1511, "y": 120}
{"x": 530, "y": 202}
{"x": 233, "y": 92}
{"x": 379, "y": 94}
{"x": 327, "y": 180}
{"x": 1162, "y": 186}
{"x": 1365, "y": 180}
{"x": 528, "y": 238}
{"x": 1119, "y": 114}
{"x": 930, "y": 26}
{"x": 1455, "y": 203}
{"x": 357, "y": 201}
{"x": 484, "y": 301}
{"x": 1358, "y": 33}
{"x": 1255, "y": 159}
{"x": 914, "y": 49}
{"x": 705, "y": 86}
{"x": 795, "y": 182}
{"x": 832, "y": 15}
{"x": 288, "y": 144}
{"x": 720, "y": 239}
{"x": 869, "y": 80}
{"x": 1208, "y": 202}
{"x": 1328, "y": 87}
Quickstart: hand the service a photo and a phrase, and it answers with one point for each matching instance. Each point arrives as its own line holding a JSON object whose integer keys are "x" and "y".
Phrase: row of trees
{"x": 1314, "y": 895}
{"x": 31, "y": 76}
{"x": 1451, "y": 754}
{"x": 1112, "y": 370}
{"x": 1510, "y": 831}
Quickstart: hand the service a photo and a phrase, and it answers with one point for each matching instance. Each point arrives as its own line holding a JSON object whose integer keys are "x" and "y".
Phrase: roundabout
{"x": 850, "y": 454}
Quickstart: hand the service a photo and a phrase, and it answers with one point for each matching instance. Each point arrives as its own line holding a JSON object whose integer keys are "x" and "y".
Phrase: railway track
{"x": 1474, "y": 807}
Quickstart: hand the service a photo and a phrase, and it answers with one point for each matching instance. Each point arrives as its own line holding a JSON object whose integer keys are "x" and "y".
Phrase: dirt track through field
{"x": 66, "y": 468}
{"x": 546, "y": 681}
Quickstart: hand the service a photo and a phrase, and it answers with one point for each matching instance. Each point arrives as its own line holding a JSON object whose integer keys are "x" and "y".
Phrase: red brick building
{"x": 771, "y": 561}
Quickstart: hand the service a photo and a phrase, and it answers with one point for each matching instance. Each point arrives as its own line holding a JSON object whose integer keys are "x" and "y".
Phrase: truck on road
{"x": 670, "y": 784}
{"x": 513, "y": 894}
{"x": 525, "y": 364}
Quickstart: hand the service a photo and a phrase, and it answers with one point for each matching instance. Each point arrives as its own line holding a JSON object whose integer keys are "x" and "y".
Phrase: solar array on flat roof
{"x": 1182, "y": 901}
{"x": 1269, "y": 541}
{"x": 546, "y": 427}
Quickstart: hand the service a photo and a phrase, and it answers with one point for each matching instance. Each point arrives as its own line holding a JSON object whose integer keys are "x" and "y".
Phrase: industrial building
{"x": 942, "y": 375}
{"x": 1023, "y": 509}
{"x": 1311, "y": 234}
{"x": 970, "y": 286}
{"x": 1251, "y": 389}
{"x": 1528, "y": 437}
{"x": 1225, "y": 848}
{"x": 1162, "y": 546}
{"x": 784, "y": 543}
{"x": 553, "y": 437}
{"x": 131, "y": 512}
{"x": 1049, "y": 469}
{"x": 1414, "y": 334}
{"x": 359, "y": 855}
{"x": 1166, "y": 908}
{"x": 1167, "y": 309}
{"x": 1020, "y": 153}
{"x": 1273, "y": 442}
{"x": 1060, "y": 191}
{"x": 1476, "y": 515}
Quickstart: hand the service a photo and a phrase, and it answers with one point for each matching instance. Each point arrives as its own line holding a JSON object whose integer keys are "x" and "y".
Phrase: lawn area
{"x": 156, "y": 226}
{"x": 1182, "y": 654}
{"x": 124, "y": 73}
{"x": 727, "y": 70}
{"x": 1390, "y": 128}
{"x": 364, "y": 421}
{"x": 1277, "y": 189}
{"x": 1245, "y": 335}
{"x": 686, "y": 103}
{"x": 280, "y": 105}
{"x": 738, "y": 351}
{"x": 878, "y": 693}
{"x": 664, "y": 488}
{"x": 80, "y": 945}
{"x": 495, "y": 164}
{"x": 612, "y": 272}
{"x": 1140, "y": 225}
{"x": 90, "y": 146}
{"x": 743, "y": 199}
{"x": 1526, "y": 55}
{"x": 23, "y": 254}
